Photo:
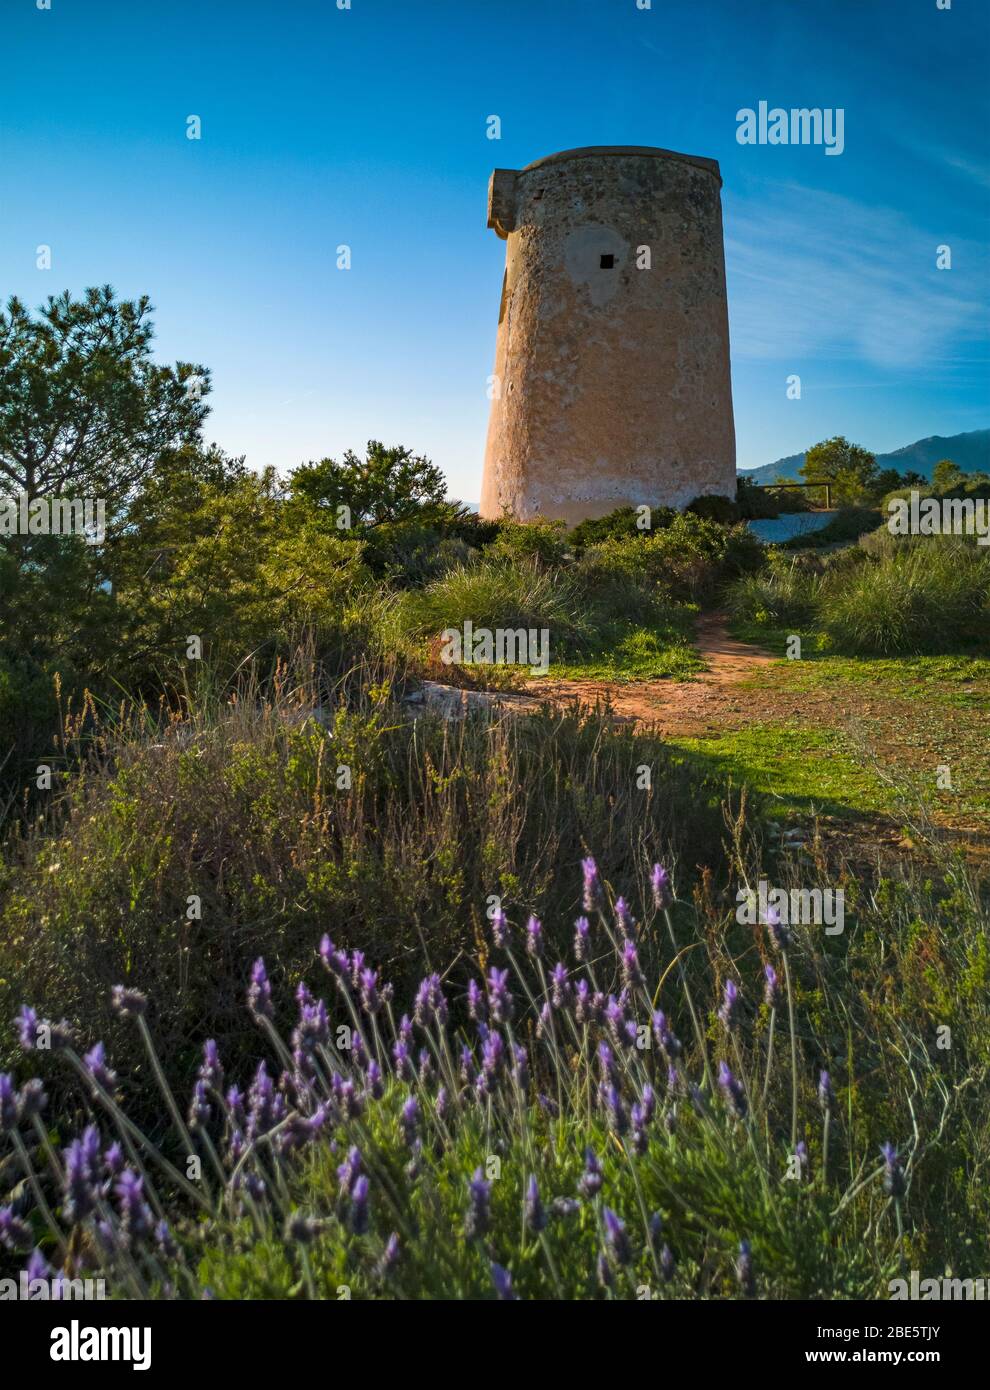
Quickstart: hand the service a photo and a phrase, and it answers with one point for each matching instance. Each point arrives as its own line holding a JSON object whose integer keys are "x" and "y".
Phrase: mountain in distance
{"x": 970, "y": 451}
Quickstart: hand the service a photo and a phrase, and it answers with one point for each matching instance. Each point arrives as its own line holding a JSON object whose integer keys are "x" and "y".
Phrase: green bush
{"x": 241, "y": 805}
{"x": 685, "y": 561}
{"x": 932, "y": 597}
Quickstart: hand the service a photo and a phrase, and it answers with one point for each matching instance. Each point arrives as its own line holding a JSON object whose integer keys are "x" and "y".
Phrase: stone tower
{"x": 611, "y": 382}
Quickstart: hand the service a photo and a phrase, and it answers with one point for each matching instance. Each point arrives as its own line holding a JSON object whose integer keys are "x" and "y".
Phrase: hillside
{"x": 971, "y": 451}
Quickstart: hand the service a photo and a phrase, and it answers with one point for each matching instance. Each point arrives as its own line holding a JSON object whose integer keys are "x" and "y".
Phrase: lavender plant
{"x": 535, "y": 1130}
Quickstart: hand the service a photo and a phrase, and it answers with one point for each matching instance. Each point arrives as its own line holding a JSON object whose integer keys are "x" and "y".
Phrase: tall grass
{"x": 250, "y": 824}
{"x": 887, "y": 597}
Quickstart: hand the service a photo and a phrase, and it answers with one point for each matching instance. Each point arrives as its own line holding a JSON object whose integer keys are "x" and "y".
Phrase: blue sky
{"x": 368, "y": 127}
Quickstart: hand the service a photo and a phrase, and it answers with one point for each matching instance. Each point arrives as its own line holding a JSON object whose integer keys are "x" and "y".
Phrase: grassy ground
{"x": 832, "y": 732}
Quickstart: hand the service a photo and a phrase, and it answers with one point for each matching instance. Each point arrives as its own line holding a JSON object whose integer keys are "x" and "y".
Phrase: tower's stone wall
{"x": 611, "y": 382}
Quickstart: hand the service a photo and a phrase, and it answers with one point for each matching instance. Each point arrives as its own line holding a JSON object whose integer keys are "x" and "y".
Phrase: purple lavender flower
{"x": 479, "y": 1205}
{"x": 744, "y": 1270}
{"x": 771, "y": 991}
{"x": 534, "y": 936}
{"x": 210, "y": 1069}
{"x": 359, "y": 1206}
{"x": 801, "y": 1157}
{"x": 129, "y": 1003}
{"x": 582, "y": 938}
{"x": 624, "y": 917}
{"x": 37, "y": 1266}
{"x": 492, "y": 1056}
{"x": 348, "y": 1098}
{"x": 431, "y": 1006}
{"x": 82, "y": 1174}
{"x": 826, "y": 1096}
{"x": 442, "y": 1103}
{"x": 779, "y": 933}
{"x": 27, "y": 1027}
{"x": 583, "y": 1003}
{"x": 476, "y": 1001}
{"x": 356, "y": 967}
{"x": 199, "y": 1106}
{"x": 95, "y": 1063}
{"x": 370, "y": 998}
{"x": 616, "y": 1238}
{"x": 336, "y": 962}
{"x": 349, "y": 1171}
{"x": 374, "y": 1081}
{"x": 313, "y": 1028}
{"x": 632, "y": 975}
{"x": 409, "y": 1120}
{"x": 893, "y": 1173}
{"x": 425, "y": 1070}
{"x": 520, "y": 1067}
{"x": 135, "y": 1216}
{"x": 500, "y": 1002}
{"x": 467, "y": 1065}
{"x": 734, "y": 1095}
{"x": 663, "y": 893}
{"x": 502, "y": 1280}
{"x": 592, "y": 1178}
{"x": 666, "y": 1041}
{"x": 403, "y": 1063}
{"x": 260, "y": 991}
{"x": 618, "y": 1118}
{"x": 560, "y": 985}
{"x": 8, "y": 1103}
{"x": 500, "y": 928}
{"x": 606, "y": 1277}
{"x": 730, "y": 1002}
{"x": 113, "y": 1159}
{"x": 261, "y": 1103}
{"x": 536, "y": 1218}
{"x": 390, "y": 1255}
{"x": 235, "y": 1105}
{"x": 592, "y": 885}
{"x": 667, "y": 1264}
{"x": 606, "y": 1060}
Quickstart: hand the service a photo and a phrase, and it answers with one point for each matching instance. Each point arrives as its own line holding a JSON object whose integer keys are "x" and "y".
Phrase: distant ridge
{"x": 971, "y": 451}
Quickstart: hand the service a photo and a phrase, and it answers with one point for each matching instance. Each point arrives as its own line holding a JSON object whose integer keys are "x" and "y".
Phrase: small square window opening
{"x": 608, "y": 262}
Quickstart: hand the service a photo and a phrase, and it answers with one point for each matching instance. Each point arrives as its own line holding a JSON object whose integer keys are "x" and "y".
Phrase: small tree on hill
{"x": 848, "y": 467}
{"x": 946, "y": 475}
{"x": 389, "y": 485}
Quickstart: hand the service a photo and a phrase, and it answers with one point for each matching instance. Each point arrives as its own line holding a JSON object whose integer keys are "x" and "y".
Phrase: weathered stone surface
{"x": 612, "y": 381}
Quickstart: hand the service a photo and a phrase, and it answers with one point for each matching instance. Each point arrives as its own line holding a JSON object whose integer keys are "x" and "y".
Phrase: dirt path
{"x": 739, "y": 688}
{"x": 688, "y": 708}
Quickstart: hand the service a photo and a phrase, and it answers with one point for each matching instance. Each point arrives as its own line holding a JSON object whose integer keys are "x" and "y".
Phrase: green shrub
{"x": 687, "y": 560}
{"x": 498, "y": 592}
{"x": 241, "y": 805}
{"x": 542, "y": 540}
{"x": 927, "y": 597}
